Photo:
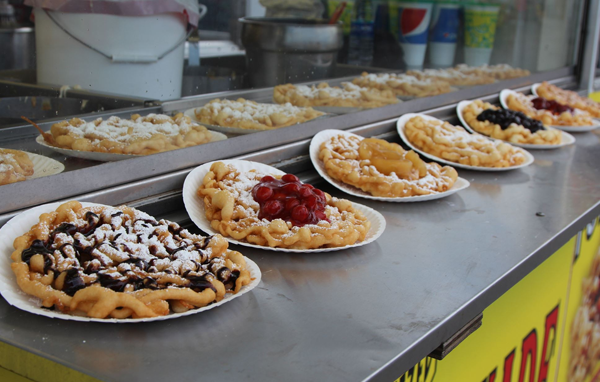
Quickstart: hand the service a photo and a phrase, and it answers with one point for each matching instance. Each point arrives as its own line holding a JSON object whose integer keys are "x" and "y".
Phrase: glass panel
{"x": 119, "y": 60}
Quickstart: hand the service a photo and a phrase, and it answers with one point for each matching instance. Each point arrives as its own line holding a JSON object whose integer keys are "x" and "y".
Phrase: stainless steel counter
{"x": 365, "y": 313}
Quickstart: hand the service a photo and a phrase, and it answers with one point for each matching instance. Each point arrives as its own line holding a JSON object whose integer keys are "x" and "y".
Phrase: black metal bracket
{"x": 447, "y": 346}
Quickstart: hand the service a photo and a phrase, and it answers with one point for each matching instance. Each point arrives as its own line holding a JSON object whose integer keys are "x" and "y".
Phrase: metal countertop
{"x": 365, "y": 313}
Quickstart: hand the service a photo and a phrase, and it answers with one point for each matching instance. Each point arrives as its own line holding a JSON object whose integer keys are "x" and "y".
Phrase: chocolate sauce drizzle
{"x": 139, "y": 272}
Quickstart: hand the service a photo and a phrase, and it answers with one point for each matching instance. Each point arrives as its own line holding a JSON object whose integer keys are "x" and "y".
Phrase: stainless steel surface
{"x": 368, "y": 313}
{"x": 279, "y": 51}
{"x": 18, "y": 48}
{"x": 102, "y": 176}
{"x": 589, "y": 51}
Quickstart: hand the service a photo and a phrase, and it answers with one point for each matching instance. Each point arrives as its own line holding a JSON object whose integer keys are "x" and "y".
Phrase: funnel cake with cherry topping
{"x": 383, "y": 169}
{"x": 569, "y": 98}
{"x": 15, "y": 166}
{"x": 139, "y": 135}
{"x": 349, "y": 95}
{"x": 508, "y": 125}
{"x": 118, "y": 262}
{"x": 403, "y": 84}
{"x": 549, "y": 112}
{"x": 245, "y": 114}
{"x": 278, "y": 211}
{"x": 455, "y": 144}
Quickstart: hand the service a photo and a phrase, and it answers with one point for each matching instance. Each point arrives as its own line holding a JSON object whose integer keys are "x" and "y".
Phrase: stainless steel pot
{"x": 289, "y": 50}
{"x": 18, "y": 48}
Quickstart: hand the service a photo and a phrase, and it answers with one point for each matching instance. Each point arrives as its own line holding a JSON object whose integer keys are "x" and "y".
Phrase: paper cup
{"x": 480, "y": 30}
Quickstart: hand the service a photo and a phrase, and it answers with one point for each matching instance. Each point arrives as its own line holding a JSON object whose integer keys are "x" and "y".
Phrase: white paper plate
{"x": 44, "y": 166}
{"x": 11, "y": 292}
{"x": 324, "y": 135}
{"x": 236, "y": 130}
{"x": 195, "y": 207}
{"x": 567, "y": 139}
{"x": 107, "y": 157}
{"x": 534, "y": 88}
{"x": 406, "y": 117}
{"x": 571, "y": 129}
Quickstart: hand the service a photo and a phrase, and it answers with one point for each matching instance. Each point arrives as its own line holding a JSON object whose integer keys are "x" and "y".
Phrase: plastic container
{"x": 146, "y": 52}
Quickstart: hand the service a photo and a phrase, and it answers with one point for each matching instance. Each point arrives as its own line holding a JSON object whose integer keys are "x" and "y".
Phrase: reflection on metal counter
{"x": 289, "y": 50}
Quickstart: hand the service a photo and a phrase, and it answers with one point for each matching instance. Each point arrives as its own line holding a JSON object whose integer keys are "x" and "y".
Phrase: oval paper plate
{"x": 44, "y": 166}
{"x": 567, "y": 139}
{"x": 324, "y": 135}
{"x": 195, "y": 207}
{"x": 571, "y": 129}
{"x": 406, "y": 117}
{"x": 11, "y": 292}
{"x": 107, "y": 157}
{"x": 534, "y": 89}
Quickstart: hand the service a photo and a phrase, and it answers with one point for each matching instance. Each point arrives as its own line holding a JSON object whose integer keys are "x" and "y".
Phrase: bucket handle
{"x": 130, "y": 58}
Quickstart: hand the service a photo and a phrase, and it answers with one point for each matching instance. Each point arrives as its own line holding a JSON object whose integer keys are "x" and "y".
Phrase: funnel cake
{"x": 349, "y": 95}
{"x": 524, "y": 104}
{"x": 245, "y": 114}
{"x": 508, "y": 125}
{"x": 499, "y": 72}
{"x": 569, "y": 98}
{"x": 238, "y": 205}
{"x": 455, "y": 144}
{"x": 452, "y": 76}
{"x": 15, "y": 166}
{"x": 401, "y": 173}
{"x": 403, "y": 84}
{"x": 139, "y": 135}
{"x": 118, "y": 262}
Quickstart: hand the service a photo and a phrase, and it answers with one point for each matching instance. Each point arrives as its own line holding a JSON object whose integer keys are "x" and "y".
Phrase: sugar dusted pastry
{"x": 139, "y": 135}
{"x": 277, "y": 211}
{"x": 245, "y": 114}
{"x": 452, "y": 77}
{"x": 403, "y": 84}
{"x": 499, "y": 72}
{"x": 15, "y": 166}
{"x": 348, "y": 95}
{"x": 455, "y": 144}
{"x": 550, "y": 113}
{"x": 569, "y": 98}
{"x": 383, "y": 169}
{"x": 508, "y": 125}
{"x": 118, "y": 262}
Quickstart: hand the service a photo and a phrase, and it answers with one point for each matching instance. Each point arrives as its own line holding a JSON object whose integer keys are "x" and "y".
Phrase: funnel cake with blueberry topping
{"x": 118, "y": 262}
{"x": 383, "y": 169}
{"x": 277, "y": 211}
{"x": 508, "y": 125}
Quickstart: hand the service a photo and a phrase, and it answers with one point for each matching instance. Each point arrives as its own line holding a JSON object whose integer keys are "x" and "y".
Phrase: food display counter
{"x": 495, "y": 280}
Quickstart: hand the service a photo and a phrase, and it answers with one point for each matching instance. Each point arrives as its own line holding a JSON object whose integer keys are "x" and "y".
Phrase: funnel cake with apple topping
{"x": 118, "y": 262}
{"x": 349, "y": 95}
{"x": 139, "y": 135}
{"x": 509, "y": 125}
{"x": 278, "y": 211}
{"x": 15, "y": 166}
{"x": 455, "y": 144}
{"x": 382, "y": 168}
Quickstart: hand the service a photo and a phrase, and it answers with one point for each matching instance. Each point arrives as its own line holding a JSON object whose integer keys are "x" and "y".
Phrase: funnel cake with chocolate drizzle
{"x": 278, "y": 211}
{"x": 118, "y": 262}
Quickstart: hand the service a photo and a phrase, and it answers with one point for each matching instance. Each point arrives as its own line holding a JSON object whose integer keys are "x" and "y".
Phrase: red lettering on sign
{"x": 529, "y": 351}
{"x": 551, "y": 322}
{"x": 508, "y": 366}
{"x": 492, "y": 377}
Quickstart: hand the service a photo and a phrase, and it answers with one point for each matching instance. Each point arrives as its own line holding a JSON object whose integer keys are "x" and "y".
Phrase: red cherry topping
{"x": 289, "y": 199}
{"x": 550, "y": 105}
{"x": 288, "y": 178}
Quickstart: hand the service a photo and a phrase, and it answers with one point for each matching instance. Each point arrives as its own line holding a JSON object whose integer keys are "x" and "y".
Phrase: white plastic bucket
{"x": 133, "y": 43}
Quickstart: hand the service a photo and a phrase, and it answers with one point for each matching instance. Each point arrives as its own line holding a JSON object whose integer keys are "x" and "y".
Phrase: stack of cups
{"x": 480, "y": 29}
{"x": 410, "y": 20}
{"x": 444, "y": 34}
